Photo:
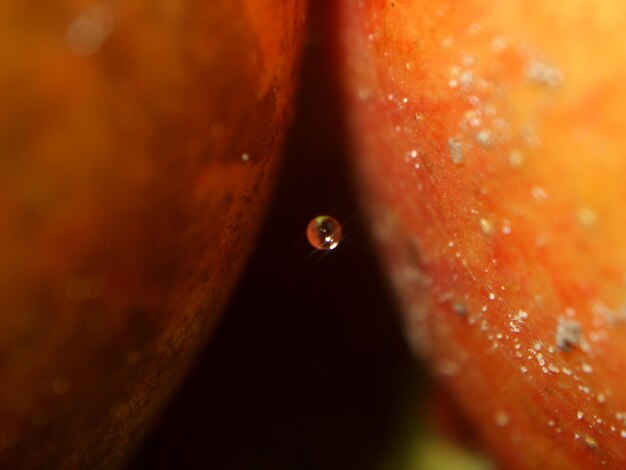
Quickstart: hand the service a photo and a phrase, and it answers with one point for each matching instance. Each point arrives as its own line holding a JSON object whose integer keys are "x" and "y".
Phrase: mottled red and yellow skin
{"x": 491, "y": 156}
{"x": 138, "y": 142}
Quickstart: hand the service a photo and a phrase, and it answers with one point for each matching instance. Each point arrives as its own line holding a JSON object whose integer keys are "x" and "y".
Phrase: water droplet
{"x": 324, "y": 232}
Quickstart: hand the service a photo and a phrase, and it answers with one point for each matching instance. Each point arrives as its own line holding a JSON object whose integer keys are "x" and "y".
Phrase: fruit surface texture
{"x": 489, "y": 145}
{"x": 138, "y": 142}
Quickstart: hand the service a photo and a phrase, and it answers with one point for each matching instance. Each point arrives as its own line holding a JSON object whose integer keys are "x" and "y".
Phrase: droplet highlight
{"x": 324, "y": 233}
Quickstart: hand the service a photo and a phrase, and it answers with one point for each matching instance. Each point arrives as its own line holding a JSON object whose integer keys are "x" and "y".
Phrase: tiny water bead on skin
{"x": 324, "y": 233}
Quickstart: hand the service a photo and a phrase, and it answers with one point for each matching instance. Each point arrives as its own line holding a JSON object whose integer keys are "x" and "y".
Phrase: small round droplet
{"x": 324, "y": 233}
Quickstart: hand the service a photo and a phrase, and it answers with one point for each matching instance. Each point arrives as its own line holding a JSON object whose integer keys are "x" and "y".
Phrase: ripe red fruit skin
{"x": 496, "y": 266}
{"x": 127, "y": 206}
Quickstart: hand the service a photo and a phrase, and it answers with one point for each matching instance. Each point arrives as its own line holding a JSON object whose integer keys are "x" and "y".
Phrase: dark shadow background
{"x": 308, "y": 368}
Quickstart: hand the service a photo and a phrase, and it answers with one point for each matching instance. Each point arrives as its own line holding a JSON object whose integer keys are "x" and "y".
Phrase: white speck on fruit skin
{"x": 485, "y": 226}
{"x": 541, "y": 360}
{"x": 590, "y": 442}
{"x": 466, "y": 79}
{"x": 586, "y": 368}
{"x": 484, "y": 137}
{"x": 531, "y": 139}
{"x": 474, "y": 100}
{"x": 471, "y": 119}
{"x": 475, "y": 28}
{"x": 539, "y": 193}
{"x": 539, "y": 73}
{"x": 456, "y": 150}
{"x": 552, "y": 368}
{"x": 579, "y": 415}
{"x": 501, "y": 418}
{"x": 364, "y": 94}
{"x": 506, "y": 227}
{"x": 521, "y": 316}
{"x": 517, "y": 320}
{"x": 498, "y": 44}
{"x": 89, "y": 31}
{"x": 460, "y": 309}
{"x": 516, "y": 158}
{"x": 448, "y": 368}
{"x": 568, "y": 334}
{"x": 586, "y": 217}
